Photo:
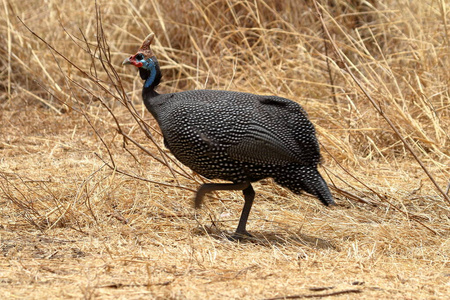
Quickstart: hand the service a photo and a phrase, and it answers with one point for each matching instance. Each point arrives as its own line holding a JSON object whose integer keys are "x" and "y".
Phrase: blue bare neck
{"x": 152, "y": 68}
{"x": 151, "y": 73}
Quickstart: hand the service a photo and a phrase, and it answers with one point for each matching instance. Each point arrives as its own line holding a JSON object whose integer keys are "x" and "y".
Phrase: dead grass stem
{"x": 93, "y": 206}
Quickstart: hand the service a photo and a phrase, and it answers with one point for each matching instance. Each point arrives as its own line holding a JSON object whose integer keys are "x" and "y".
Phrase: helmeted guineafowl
{"x": 238, "y": 137}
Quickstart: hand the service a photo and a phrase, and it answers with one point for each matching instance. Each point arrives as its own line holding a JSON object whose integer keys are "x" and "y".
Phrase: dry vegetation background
{"x": 78, "y": 220}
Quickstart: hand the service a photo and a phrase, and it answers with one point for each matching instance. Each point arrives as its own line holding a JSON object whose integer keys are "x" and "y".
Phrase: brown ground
{"x": 71, "y": 227}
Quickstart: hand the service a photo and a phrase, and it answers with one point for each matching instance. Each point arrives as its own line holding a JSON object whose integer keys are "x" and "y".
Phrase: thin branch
{"x": 375, "y": 105}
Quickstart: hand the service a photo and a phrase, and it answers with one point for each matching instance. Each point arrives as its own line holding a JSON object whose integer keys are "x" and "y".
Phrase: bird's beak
{"x": 132, "y": 61}
{"x": 127, "y": 61}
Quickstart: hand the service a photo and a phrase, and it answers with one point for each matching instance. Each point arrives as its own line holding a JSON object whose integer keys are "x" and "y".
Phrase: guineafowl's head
{"x": 146, "y": 62}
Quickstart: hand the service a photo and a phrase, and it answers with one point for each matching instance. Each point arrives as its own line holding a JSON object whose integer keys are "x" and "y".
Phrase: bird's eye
{"x": 139, "y": 56}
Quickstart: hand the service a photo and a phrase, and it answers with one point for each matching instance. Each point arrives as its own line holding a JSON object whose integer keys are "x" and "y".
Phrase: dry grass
{"x": 92, "y": 206}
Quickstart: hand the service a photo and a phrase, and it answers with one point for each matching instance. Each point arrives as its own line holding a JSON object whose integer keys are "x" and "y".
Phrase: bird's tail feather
{"x": 300, "y": 178}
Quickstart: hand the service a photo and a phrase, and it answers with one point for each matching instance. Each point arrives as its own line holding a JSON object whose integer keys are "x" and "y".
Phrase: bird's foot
{"x": 239, "y": 236}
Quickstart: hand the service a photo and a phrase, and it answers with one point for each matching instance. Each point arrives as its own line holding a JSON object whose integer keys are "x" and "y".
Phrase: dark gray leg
{"x": 249, "y": 195}
{"x": 210, "y": 187}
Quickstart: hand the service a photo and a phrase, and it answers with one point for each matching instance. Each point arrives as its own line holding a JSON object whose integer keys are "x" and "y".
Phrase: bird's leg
{"x": 249, "y": 195}
{"x": 210, "y": 187}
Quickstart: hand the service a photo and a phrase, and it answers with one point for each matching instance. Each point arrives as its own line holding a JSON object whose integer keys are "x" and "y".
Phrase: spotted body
{"x": 235, "y": 136}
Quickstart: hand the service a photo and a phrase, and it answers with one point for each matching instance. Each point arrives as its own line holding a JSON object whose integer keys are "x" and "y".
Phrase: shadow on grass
{"x": 268, "y": 239}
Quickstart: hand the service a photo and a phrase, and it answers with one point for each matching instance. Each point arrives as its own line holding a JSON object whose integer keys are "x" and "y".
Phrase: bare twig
{"x": 99, "y": 52}
{"x": 375, "y": 105}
